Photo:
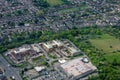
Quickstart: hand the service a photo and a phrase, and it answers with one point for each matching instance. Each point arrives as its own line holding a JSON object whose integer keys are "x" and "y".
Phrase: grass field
{"x": 107, "y": 43}
{"x": 54, "y": 2}
{"x": 80, "y": 8}
{"x": 112, "y": 56}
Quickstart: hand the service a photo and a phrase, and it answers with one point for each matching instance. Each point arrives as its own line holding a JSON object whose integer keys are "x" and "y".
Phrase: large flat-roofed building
{"x": 58, "y": 43}
{"x": 24, "y": 53}
{"x": 73, "y": 50}
{"x": 49, "y": 46}
{"x": 21, "y": 50}
{"x": 61, "y": 48}
{"x": 78, "y": 68}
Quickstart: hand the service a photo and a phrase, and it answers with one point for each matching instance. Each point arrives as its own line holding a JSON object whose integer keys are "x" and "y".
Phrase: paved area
{"x": 9, "y": 70}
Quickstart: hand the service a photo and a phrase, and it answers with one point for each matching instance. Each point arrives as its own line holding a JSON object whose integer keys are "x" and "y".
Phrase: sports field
{"x": 107, "y": 43}
{"x": 54, "y": 2}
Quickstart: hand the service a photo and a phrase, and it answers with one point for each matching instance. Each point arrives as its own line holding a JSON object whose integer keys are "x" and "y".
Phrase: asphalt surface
{"x": 9, "y": 70}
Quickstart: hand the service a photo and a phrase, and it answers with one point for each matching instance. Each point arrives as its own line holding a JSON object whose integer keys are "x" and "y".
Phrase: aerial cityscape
{"x": 59, "y": 39}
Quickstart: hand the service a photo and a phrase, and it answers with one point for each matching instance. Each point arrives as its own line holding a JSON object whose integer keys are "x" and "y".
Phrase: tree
{"x": 114, "y": 63}
{"x": 38, "y": 34}
{"x": 41, "y": 3}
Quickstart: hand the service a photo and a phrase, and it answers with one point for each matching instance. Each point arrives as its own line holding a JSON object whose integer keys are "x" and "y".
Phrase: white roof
{"x": 62, "y": 61}
{"x": 35, "y": 47}
{"x": 27, "y": 24}
{"x": 57, "y": 42}
{"x": 48, "y": 45}
{"x": 77, "y": 67}
{"x": 73, "y": 50}
{"x": 39, "y": 68}
{"x": 85, "y": 60}
{"x": 21, "y": 50}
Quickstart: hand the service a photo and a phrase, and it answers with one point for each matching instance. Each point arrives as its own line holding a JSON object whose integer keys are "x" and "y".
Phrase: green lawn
{"x": 54, "y": 2}
{"x": 107, "y": 43}
{"x": 38, "y": 58}
{"x": 73, "y": 9}
{"x": 112, "y": 56}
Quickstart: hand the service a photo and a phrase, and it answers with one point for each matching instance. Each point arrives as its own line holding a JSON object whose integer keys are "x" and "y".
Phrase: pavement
{"x": 9, "y": 70}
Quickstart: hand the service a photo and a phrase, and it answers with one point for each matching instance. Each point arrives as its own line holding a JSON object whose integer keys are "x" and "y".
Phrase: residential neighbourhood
{"x": 20, "y": 17}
